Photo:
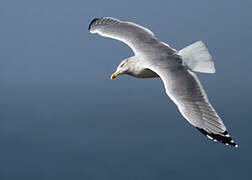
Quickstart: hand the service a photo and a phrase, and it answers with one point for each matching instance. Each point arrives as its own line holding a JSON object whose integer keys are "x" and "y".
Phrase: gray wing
{"x": 140, "y": 39}
{"x": 184, "y": 88}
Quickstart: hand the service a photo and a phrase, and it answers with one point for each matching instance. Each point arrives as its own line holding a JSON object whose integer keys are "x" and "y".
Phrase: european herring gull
{"x": 154, "y": 58}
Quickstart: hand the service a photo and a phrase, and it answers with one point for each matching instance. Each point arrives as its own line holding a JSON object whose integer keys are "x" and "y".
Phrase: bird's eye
{"x": 122, "y": 65}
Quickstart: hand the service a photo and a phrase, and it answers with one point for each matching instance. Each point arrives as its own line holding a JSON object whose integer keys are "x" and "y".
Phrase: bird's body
{"x": 154, "y": 58}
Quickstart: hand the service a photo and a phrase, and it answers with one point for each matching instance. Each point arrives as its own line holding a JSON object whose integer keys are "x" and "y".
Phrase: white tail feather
{"x": 197, "y": 58}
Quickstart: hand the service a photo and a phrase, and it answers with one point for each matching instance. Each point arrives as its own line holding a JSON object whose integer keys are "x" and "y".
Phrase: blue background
{"x": 61, "y": 117}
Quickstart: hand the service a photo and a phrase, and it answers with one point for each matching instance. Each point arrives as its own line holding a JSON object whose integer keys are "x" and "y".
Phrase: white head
{"x": 133, "y": 67}
{"x": 125, "y": 67}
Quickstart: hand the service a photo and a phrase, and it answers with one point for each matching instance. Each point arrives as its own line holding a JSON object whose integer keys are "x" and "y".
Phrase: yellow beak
{"x": 114, "y": 75}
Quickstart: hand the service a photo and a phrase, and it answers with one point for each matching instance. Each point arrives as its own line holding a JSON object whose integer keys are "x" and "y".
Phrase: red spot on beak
{"x": 113, "y": 76}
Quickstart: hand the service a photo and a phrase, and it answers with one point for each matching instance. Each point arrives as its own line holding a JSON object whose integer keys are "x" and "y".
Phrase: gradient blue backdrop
{"x": 62, "y": 118}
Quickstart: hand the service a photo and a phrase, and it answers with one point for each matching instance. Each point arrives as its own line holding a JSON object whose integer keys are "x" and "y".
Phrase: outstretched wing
{"x": 139, "y": 39}
{"x": 184, "y": 88}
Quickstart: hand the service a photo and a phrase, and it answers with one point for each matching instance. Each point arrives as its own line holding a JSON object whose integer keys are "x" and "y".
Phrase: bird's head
{"x": 123, "y": 68}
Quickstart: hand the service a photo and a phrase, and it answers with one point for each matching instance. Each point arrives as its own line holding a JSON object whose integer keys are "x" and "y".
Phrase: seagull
{"x": 154, "y": 58}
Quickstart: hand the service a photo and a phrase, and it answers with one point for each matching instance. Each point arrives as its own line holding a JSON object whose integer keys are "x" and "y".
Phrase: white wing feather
{"x": 138, "y": 38}
{"x": 186, "y": 91}
{"x": 132, "y": 34}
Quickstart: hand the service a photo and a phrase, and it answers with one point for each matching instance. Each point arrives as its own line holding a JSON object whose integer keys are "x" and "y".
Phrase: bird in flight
{"x": 154, "y": 58}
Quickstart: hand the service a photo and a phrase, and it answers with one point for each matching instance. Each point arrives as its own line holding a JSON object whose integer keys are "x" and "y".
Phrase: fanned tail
{"x": 197, "y": 58}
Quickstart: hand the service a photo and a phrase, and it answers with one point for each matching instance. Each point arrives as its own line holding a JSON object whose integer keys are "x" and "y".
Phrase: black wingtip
{"x": 93, "y": 21}
{"x": 224, "y": 138}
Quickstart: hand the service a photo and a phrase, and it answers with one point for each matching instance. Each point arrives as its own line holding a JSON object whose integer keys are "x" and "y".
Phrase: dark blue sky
{"x": 61, "y": 117}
